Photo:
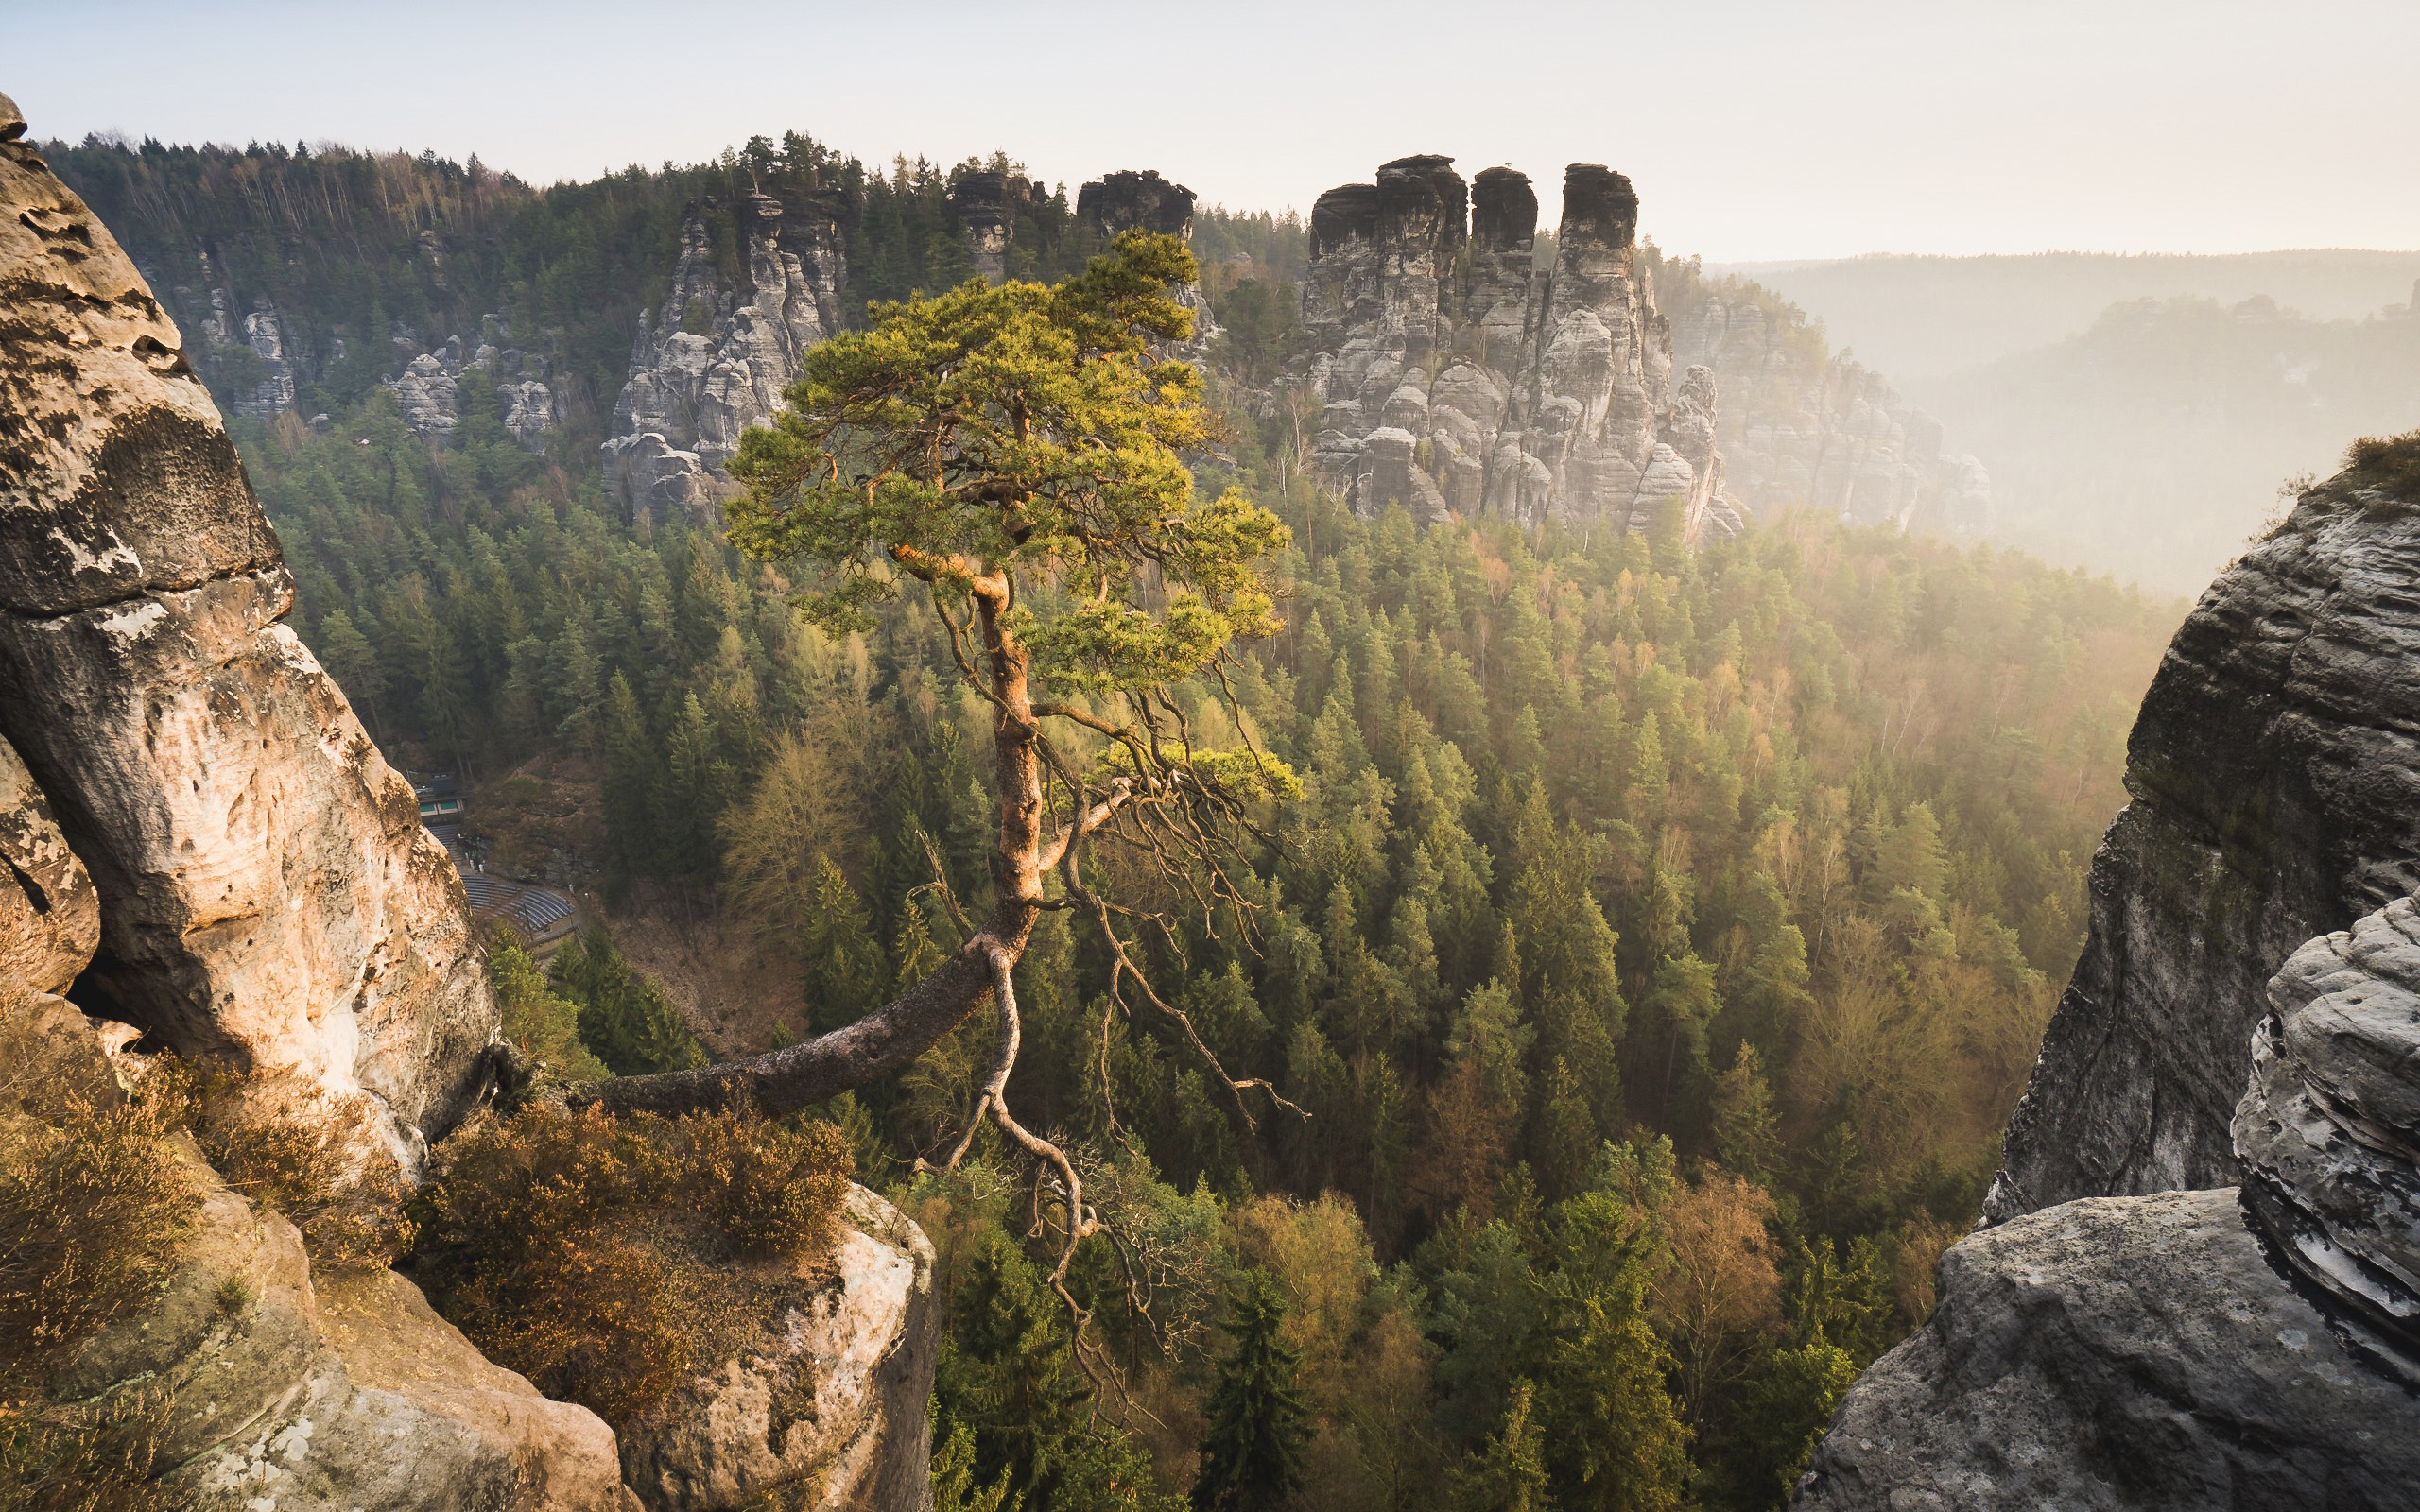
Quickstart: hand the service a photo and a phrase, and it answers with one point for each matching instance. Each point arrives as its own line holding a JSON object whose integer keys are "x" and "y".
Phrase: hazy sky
{"x": 1752, "y": 130}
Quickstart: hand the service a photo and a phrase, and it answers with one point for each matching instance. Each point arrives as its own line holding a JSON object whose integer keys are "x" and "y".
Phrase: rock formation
{"x": 2274, "y": 773}
{"x": 714, "y": 357}
{"x": 1810, "y": 427}
{"x": 2256, "y": 1347}
{"x": 260, "y": 334}
{"x": 1458, "y": 377}
{"x": 1130, "y": 201}
{"x": 424, "y": 390}
{"x": 864, "y": 1353}
{"x": 2331, "y": 1171}
{"x": 2118, "y": 1353}
{"x": 266, "y": 889}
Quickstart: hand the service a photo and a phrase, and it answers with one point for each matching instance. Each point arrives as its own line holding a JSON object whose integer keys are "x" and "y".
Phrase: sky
{"x": 1754, "y": 131}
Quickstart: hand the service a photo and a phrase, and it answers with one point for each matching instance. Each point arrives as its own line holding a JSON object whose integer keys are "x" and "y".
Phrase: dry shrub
{"x": 2390, "y": 460}
{"x": 92, "y": 1203}
{"x": 608, "y": 1261}
{"x": 95, "y": 1462}
{"x": 303, "y": 1151}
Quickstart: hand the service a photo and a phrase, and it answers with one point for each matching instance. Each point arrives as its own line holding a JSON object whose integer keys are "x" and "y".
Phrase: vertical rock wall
{"x": 710, "y": 360}
{"x": 1458, "y": 377}
{"x": 266, "y": 889}
{"x": 2274, "y": 771}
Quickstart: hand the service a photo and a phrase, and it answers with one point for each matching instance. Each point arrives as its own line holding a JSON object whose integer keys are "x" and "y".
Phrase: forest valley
{"x": 1653, "y": 951}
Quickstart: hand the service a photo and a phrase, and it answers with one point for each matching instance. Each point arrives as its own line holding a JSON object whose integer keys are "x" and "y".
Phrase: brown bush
{"x": 99, "y": 1461}
{"x": 93, "y": 1204}
{"x": 609, "y": 1260}
{"x": 2393, "y": 461}
{"x": 300, "y": 1150}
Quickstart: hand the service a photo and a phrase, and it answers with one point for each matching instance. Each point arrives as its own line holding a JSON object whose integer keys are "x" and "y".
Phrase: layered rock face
{"x": 266, "y": 889}
{"x": 2330, "y": 1131}
{"x": 710, "y": 360}
{"x": 2119, "y": 1354}
{"x": 50, "y": 917}
{"x": 1817, "y": 429}
{"x": 863, "y": 1354}
{"x": 2276, "y": 781}
{"x": 1460, "y": 378}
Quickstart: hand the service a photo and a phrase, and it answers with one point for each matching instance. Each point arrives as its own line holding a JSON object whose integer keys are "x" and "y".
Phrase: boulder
{"x": 834, "y": 1398}
{"x": 2326, "y": 1130}
{"x": 2274, "y": 772}
{"x": 267, "y": 892}
{"x": 2119, "y": 1354}
{"x": 50, "y": 918}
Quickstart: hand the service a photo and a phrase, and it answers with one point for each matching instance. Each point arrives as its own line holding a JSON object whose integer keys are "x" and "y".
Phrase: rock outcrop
{"x": 712, "y": 357}
{"x": 1130, "y": 200}
{"x": 266, "y": 890}
{"x": 2247, "y": 1348}
{"x": 2274, "y": 772}
{"x": 1808, "y": 426}
{"x": 1458, "y": 377}
{"x": 281, "y": 1385}
{"x": 50, "y": 918}
{"x": 2118, "y": 1353}
{"x": 2327, "y": 1133}
{"x": 860, "y": 1358}
{"x": 425, "y": 389}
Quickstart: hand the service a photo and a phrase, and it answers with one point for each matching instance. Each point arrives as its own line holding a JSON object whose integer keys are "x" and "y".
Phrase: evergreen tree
{"x": 625, "y": 1019}
{"x": 1508, "y": 1473}
{"x": 1256, "y": 1422}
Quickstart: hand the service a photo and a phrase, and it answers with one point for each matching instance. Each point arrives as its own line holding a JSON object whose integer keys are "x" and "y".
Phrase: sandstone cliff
{"x": 2275, "y": 783}
{"x": 266, "y": 890}
{"x": 1458, "y": 377}
{"x": 712, "y": 357}
{"x": 2250, "y": 1348}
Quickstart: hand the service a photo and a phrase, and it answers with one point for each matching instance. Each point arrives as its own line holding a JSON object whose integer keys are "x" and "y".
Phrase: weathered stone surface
{"x": 1814, "y": 427}
{"x": 302, "y": 1390}
{"x": 266, "y": 889}
{"x": 1536, "y": 394}
{"x": 834, "y": 1399}
{"x": 2130, "y": 1352}
{"x": 50, "y": 918}
{"x": 2329, "y": 1130}
{"x": 2274, "y": 771}
{"x": 1130, "y": 201}
{"x": 709, "y": 362}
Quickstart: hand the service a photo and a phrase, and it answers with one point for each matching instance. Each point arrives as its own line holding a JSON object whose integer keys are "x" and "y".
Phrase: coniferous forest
{"x": 1655, "y": 950}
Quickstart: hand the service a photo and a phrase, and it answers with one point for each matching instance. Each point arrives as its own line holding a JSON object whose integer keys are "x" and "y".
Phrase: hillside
{"x": 1923, "y": 318}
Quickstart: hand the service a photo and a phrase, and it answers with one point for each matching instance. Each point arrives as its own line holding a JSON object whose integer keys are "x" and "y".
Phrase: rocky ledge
{"x": 2124, "y": 1353}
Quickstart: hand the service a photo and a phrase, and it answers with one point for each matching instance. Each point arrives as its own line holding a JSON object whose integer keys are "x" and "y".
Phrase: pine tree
{"x": 1508, "y": 1473}
{"x": 844, "y": 969}
{"x": 1257, "y": 1422}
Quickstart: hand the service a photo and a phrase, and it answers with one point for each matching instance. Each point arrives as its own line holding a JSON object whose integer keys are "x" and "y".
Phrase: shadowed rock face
{"x": 2185, "y": 1349}
{"x": 266, "y": 889}
{"x": 50, "y": 918}
{"x": 1127, "y": 199}
{"x": 2274, "y": 771}
{"x": 1460, "y": 379}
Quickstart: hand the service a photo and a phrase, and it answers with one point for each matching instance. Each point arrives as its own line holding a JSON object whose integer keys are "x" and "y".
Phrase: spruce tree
{"x": 1251, "y": 1446}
